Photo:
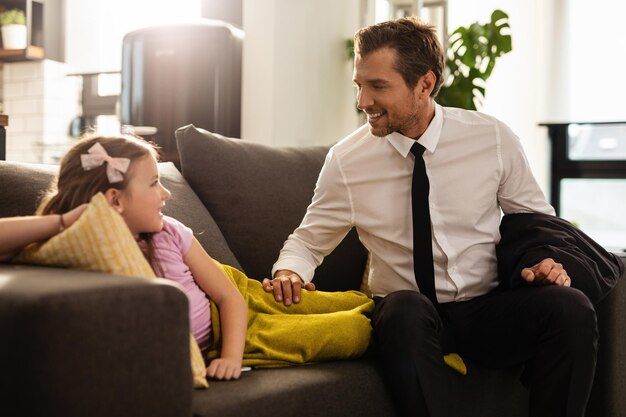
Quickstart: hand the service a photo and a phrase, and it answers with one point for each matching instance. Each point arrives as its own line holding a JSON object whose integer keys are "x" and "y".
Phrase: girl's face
{"x": 141, "y": 202}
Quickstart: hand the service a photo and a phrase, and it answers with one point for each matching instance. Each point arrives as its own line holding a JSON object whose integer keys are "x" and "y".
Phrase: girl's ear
{"x": 113, "y": 197}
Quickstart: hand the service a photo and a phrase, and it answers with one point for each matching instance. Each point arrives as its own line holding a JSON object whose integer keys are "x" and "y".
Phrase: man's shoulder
{"x": 353, "y": 139}
{"x": 358, "y": 144}
{"x": 468, "y": 117}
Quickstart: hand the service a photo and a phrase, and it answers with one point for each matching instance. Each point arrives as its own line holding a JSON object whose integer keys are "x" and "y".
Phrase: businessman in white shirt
{"x": 477, "y": 169}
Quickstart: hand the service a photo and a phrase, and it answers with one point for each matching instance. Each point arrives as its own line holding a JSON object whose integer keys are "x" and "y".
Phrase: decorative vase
{"x": 14, "y": 37}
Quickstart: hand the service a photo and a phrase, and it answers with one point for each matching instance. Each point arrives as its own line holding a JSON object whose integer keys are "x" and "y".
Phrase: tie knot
{"x": 417, "y": 149}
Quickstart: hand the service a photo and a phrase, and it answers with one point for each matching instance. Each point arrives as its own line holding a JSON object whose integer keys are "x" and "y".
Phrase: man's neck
{"x": 423, "y": 122}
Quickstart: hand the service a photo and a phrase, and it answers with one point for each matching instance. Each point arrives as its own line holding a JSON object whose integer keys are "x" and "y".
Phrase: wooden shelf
{"x": 30, "y": 53}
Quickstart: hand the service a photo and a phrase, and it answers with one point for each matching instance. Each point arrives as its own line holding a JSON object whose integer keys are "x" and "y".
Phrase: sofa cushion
{"x": 33, "y": 180}
{"x": 186, "y": 207}
{"x": 258, "y": 195}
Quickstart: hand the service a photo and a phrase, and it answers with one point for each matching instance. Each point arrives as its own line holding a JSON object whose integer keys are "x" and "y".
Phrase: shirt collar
{"x": 429, "y": 139}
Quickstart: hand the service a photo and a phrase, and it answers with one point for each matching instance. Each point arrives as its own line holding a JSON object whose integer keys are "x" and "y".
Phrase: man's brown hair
{"x": 416, "y": 44}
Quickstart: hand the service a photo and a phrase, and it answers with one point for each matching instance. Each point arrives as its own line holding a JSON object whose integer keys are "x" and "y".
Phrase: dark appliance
{"x": 181, "y": 74}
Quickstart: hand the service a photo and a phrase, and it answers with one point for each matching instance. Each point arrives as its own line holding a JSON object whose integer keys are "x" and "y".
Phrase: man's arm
{"x": 520, "y": 192}
{"x": 326, "y": 222}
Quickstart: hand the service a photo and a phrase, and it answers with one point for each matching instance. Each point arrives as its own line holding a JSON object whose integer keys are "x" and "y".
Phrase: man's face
{"x": 390, "y": 105}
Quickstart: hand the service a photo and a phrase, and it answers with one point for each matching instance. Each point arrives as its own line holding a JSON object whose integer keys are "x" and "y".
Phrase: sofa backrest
{"x": 232, "y": 204}
{"x": 258, "y": 195}
{"x": 22, "y": 186}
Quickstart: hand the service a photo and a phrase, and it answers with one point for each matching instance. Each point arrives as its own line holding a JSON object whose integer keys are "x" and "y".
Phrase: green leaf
{"x": 471, "y": 58}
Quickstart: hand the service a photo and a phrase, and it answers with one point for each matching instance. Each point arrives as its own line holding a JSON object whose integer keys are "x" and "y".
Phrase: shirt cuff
{"x": 304, "y": 270}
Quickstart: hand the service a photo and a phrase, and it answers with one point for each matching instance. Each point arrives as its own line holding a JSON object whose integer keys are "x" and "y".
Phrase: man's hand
{"x": 286, "y": 286}
{"x": 547, "y": 272}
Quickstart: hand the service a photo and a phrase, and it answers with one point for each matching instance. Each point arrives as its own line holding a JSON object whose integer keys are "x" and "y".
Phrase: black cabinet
{"x": 588, "y": 177}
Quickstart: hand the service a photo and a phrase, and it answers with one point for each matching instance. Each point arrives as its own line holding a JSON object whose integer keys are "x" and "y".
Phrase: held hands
{"x": 547, "y": 272}
{"x": 286, "y": 286}
{"x": 224, "y": 368}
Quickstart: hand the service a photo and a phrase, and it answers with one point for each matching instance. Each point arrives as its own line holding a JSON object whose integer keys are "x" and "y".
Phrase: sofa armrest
{"x": 78, "y": 343}
{"x": 607, "y": 397}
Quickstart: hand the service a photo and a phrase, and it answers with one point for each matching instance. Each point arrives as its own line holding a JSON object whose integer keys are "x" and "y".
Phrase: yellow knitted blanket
{"x": 323, "y": 326}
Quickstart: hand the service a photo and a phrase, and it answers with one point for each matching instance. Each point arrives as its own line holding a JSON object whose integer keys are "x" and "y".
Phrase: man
{"x": 476, "y": 167}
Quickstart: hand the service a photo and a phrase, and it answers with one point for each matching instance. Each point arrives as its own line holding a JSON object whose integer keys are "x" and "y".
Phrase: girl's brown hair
{"x": 74, "y": 185}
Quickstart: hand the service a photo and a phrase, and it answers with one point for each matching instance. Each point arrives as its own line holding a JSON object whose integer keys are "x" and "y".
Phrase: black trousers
{"x": 551, "y": 330}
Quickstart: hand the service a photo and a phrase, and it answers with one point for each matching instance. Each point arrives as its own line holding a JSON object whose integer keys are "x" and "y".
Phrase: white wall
{"x": 297, "y": 78}
{"x": 595, "y": 42}
{"x": 517, "y": 90}
{"x": 297, "y": 83}
{"x": 565, "y": 65}
{"x": 95, "y": 28}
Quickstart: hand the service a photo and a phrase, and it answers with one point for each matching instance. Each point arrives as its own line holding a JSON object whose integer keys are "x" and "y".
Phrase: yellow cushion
{"x": 101, "y": 241}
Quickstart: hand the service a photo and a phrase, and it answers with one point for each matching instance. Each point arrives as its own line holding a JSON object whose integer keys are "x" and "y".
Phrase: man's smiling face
{"x": 390, "y": 105}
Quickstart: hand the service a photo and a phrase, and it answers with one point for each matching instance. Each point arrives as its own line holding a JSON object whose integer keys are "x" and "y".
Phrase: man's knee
{"x": 572, "y": 313}
{"x": 405, "y": 312}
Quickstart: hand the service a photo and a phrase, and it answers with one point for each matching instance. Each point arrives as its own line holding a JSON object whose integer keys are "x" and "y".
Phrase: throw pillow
{"x": 100, "y": 241}
{"x": 258, "y": 195}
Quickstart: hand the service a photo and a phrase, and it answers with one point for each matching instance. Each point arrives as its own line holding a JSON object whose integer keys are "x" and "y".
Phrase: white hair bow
{"x": 97, "y": 156}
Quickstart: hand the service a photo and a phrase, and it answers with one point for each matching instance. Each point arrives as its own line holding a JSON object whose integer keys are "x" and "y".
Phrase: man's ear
{"x": 113, "y": 197}
{"x": 426, "y": 83}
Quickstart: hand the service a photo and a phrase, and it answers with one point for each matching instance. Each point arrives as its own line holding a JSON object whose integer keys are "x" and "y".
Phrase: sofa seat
{"x": 348, "y": 388}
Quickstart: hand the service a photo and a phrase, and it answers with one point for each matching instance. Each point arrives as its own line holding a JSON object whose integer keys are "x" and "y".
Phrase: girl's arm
{"x": 17, "y": 232}
{"x": 233, "y": 311}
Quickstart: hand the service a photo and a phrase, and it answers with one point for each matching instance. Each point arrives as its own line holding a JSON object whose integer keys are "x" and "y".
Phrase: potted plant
{"x": 470, "y": 59}
{"x": 13, "y": 26}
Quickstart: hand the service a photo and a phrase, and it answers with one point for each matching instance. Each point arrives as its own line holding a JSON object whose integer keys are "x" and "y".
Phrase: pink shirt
{"x": 170, "y": 246}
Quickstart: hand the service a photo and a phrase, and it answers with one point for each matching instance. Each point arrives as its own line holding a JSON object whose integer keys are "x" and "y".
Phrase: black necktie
{"x": 422, "y": 239}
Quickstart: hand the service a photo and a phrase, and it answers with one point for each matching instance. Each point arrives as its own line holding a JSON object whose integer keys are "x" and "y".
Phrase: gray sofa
{"x": 87, "y": 344}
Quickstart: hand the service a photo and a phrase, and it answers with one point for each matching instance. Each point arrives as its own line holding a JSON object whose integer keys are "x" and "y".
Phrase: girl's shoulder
{"x": 174, "y": 233}
{"x": 171, "y": 223}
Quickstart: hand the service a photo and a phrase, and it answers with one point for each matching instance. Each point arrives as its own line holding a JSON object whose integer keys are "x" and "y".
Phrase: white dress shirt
{"x": 476, "y": 168}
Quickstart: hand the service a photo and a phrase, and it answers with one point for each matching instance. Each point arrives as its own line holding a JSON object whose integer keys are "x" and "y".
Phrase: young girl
{"x": 125, "y": 170}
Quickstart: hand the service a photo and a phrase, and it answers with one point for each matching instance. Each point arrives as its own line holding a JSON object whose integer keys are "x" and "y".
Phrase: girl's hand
{"x": 71, "y": 216}
{"x": 224, "y": 368}
{"x": 17, "y": 232}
